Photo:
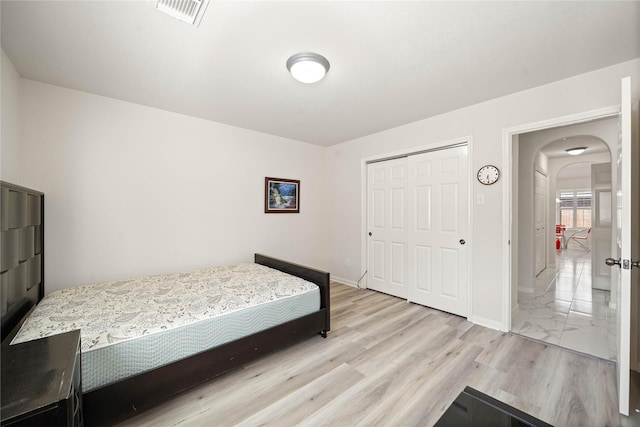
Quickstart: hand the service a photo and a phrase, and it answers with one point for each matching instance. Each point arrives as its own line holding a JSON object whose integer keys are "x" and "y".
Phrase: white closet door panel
{"x": 398, "y": 263}
{"x": 449, "y": 208}
{"x": 387, "y": 224}
{"x": 438, "y": 223}
{"x": 423, "y": 268}
{"x": 377, "y": 269}
{"x": 423, "y": 208}
{"x": 449, "y": 266}
{"x": 398, "y": 209}
{"x": 377, "y": 211}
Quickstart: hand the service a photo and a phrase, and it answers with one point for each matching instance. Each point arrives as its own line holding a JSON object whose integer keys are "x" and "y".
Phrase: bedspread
{"x": 113, "y": 312}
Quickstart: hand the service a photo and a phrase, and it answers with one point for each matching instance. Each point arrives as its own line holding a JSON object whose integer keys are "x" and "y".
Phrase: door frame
{"x": 507, "y": 190}
{"x": 442, "y": 145}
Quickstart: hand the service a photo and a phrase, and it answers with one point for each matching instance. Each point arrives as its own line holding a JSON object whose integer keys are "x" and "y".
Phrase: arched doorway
{"x": 557, "y": 303}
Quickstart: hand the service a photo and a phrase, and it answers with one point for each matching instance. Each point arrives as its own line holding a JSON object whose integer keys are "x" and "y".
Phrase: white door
{"x": 438, "y": 230}
{"x": 627, "y": 240}
{"x": 387, "y": 225}
{"x": 540, "y": 221}
{"x": 601, "y": 211}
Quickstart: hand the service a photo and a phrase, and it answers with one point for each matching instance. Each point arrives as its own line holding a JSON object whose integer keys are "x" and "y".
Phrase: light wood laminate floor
{"x": 387, "y": 362}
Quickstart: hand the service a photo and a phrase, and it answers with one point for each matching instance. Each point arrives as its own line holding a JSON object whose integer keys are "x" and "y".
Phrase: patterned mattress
{"x": 131, "y": 326}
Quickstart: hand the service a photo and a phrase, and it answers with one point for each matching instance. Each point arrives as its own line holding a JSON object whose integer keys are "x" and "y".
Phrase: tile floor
{"x": 565, "y": 310}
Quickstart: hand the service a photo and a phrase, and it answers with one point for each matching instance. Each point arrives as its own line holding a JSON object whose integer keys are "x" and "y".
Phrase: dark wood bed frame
{"x": 126, "y": 398}
{"x": 22, "y": 254}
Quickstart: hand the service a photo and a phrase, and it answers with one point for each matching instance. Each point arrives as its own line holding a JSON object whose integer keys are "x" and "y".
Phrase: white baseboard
{"x": 344, "y": 281}
{"x": 526, "y": 290}
{"x": 487, "y": 323}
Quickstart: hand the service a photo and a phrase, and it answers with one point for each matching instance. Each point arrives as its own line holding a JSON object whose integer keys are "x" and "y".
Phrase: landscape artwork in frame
{"x": 281, "y": 195}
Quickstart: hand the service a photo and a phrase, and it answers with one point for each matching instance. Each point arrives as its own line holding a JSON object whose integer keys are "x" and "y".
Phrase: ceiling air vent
{"x": 189, "y": 11}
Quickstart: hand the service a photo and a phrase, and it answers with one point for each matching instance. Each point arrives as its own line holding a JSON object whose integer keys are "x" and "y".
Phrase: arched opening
{"x": 561, "y": 198}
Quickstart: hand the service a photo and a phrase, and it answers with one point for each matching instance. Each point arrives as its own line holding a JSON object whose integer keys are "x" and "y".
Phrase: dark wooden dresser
{"x": 42, "y": 382}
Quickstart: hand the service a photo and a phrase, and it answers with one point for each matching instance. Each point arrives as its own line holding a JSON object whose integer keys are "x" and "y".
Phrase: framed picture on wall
{"x": 281, "y": 195}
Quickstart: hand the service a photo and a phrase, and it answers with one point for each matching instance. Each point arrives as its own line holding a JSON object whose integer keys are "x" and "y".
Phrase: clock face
{"x": 488, "y": 174}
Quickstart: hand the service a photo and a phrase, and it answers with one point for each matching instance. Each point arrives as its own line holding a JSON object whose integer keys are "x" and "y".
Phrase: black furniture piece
{"x": 475, "y": 409}
{"x": 42, "y": 382}
{"x": 22, "y": 254}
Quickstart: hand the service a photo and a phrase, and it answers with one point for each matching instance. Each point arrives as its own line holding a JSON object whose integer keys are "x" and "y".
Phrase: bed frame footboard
{"x": 320, "y": 278}
{"x": 130, "y": 396}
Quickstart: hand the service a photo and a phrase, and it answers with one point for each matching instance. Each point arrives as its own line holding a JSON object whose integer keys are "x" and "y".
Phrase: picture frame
{"x": 281, "y": 195}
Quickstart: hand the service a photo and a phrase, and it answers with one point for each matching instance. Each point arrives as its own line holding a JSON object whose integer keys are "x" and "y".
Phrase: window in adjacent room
{"x": 574, "y": 208}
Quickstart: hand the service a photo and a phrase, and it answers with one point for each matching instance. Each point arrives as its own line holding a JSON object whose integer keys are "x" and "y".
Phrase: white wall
{"x": 485, "y": 122}
{"x": 576, "y": 183}
{"x": 132, "y": 190}
{"x": 10, "y": 120}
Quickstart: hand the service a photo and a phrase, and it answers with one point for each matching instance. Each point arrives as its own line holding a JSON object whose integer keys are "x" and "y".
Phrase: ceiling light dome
{"x": 308, "y": 67}
{"x": 575, "y": 151}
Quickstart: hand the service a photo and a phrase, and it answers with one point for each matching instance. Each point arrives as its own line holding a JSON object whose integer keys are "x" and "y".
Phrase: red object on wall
{"x": 557, "y": 243}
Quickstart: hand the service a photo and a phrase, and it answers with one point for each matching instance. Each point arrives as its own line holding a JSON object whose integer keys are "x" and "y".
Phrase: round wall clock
{"x": 488, "y": 174}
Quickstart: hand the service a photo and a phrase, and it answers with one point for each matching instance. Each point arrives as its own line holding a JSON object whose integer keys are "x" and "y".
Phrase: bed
{"x": 197, "y": 347}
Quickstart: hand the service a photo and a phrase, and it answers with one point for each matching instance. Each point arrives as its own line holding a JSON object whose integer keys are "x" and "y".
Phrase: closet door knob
{"x": 462, "y": 242}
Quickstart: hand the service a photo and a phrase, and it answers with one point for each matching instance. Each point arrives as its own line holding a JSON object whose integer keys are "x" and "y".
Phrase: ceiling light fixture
{"x": 308, "y": 67}
{"x": 575, "y": 151}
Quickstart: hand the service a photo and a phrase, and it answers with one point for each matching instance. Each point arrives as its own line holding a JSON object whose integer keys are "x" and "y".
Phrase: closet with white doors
{"x": 418, "y": 224}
